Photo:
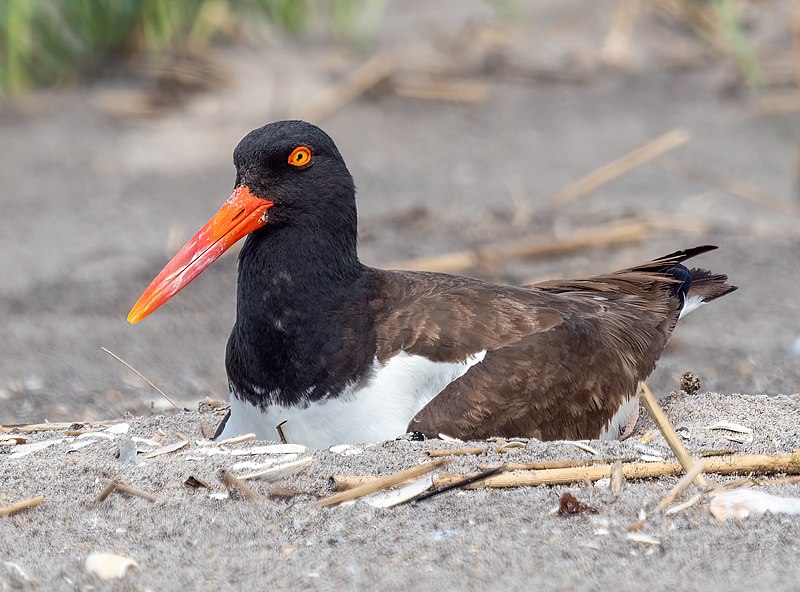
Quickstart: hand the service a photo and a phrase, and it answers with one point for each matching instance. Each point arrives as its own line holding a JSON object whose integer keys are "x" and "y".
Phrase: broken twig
{"x": 457, "y": 484}
{"x": 625, "y": 164}
{"x": 455, "y": 452}
{"x": 232, "y": 481}
{"x": 129, "y": 489}
{"x": 672, "y": 438}
{"x": 746, "y": 463}
{"x": 21, "y": 506}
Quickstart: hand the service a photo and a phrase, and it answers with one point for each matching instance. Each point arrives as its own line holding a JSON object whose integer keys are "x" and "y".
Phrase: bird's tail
{"x": 703, "y": 287}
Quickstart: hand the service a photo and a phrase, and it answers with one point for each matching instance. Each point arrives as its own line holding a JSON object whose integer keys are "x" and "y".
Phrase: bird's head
{"x": 287, "y": 173}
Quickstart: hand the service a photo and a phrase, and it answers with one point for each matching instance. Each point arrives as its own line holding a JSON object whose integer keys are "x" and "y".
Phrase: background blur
{"x": 510, "y": 140}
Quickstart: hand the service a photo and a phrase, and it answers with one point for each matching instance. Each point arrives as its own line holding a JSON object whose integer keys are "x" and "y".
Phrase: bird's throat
{"x": 298, "y": 295}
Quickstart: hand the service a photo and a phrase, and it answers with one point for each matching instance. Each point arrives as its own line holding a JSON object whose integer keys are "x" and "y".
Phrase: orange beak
{"x": 239, "y": 216}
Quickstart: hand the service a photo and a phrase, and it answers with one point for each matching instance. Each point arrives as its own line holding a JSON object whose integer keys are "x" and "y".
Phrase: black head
{"x": 297, "y": 166}
{"x": 292, "y": 189}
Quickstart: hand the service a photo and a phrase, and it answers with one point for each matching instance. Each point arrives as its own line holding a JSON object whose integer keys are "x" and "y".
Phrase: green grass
{"x": 44, "y": 42}
{"x": 742, "y": 48}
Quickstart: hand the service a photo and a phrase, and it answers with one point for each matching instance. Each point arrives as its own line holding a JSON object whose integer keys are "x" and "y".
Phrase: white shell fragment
{"x": 108, "y": 566}
{"x": 212, "y": 452}
{"x": 746, "y": 434}
{"x": 167, "y": 449}
{"x": 78, "y": 444}
{"x": 447, "y": 438}
{"x": 646, "y": 539}
{"x": 403, "y": 494}
{"x": 146, "y": 441}
{"x": 581, "y": 446}
{"x": 96, "y": 436}
{"x": 511, "y": 445}
{"x": 21, "y": 450}
{"x": 645, "y": 450}
{"x": 271, "y": 449}
{"x": 250, "y": 465}
{"x": 346, "y": 450}
{"x": 11, "y": 440}
{"x": 277, "y": 472}
{"x": 118, "y": 429}
{"x": 236, "y": 439}
{"x": 744, "y": 502}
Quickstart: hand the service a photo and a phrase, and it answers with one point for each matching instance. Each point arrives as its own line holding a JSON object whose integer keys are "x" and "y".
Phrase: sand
{"x": 498, "y": 539}
{"x": 94, "y": 205}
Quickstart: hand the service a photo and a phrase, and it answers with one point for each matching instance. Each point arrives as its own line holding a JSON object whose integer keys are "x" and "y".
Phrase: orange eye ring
{"x": 300, "y": 156}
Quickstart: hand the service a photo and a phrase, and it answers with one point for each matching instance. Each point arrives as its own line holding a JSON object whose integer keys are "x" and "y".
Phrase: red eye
{"x": 300, "y": 156}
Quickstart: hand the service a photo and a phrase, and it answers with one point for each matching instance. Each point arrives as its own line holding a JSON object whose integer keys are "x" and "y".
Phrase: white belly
{"x": 378, "y": 411}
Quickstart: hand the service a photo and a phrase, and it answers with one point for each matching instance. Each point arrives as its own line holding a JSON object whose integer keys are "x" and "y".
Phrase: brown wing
{"x": 561, "y": 356}
{"x": 447, "y": 318}
{"x": 564, "y": 382}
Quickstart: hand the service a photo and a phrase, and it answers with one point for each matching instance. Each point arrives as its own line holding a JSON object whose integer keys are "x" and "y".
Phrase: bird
{"x": 326, "y": 350}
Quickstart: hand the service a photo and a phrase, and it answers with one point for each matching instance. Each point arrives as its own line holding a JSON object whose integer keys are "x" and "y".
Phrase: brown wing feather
{"x": 447, "y": 318}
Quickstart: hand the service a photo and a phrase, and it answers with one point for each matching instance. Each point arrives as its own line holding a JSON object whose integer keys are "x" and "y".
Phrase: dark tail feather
{"x": 709, "y": 286}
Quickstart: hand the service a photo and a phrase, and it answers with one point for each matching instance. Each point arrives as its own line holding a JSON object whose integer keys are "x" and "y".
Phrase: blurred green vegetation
{"x": 741, "y": 47}
{"x": 45, "y": 42}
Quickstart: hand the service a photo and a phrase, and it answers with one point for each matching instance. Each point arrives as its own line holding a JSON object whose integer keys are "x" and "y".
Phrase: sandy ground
{"x": 486, "y": 539}
{"x": 94, "y": 204}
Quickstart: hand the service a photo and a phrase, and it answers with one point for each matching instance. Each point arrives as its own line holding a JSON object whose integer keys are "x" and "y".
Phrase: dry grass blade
{"x": 21, "y": 506}
{"x": 672, "y": 438}
{"x": 236, "y": 439}
{"x": 466, "y": 481}
{"x": 564, "y": 464}
{"x": 360, "y": 80}
{"x": 379, "y": 483}
{"x": 625, "y": 164}
{"x": 604, "y": 236}
{"x": 107, "y": 490}
{"x": 456, "y": 91}
{"x": 129, "y": 489}
{"x": 166, "y": 449}
{"x": 455, "y": 452}
{"x": 232, "y": 481}
{"x": 617, "y": 46}
{"x": 140, "y": 375}
{"x": 681, "y": 485}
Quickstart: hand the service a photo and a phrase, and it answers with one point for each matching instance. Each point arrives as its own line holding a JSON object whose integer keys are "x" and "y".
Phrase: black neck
{"x": 300, "y": 293}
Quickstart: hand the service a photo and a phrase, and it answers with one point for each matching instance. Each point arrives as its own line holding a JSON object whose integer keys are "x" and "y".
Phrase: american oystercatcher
{"x": 336, "y": 352}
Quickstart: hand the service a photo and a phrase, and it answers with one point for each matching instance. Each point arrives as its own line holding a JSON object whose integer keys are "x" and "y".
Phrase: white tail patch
{"x": 693, "y": 302}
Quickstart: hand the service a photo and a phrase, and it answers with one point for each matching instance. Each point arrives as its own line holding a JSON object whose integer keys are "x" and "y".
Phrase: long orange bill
{"x": 239, "y": 216}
